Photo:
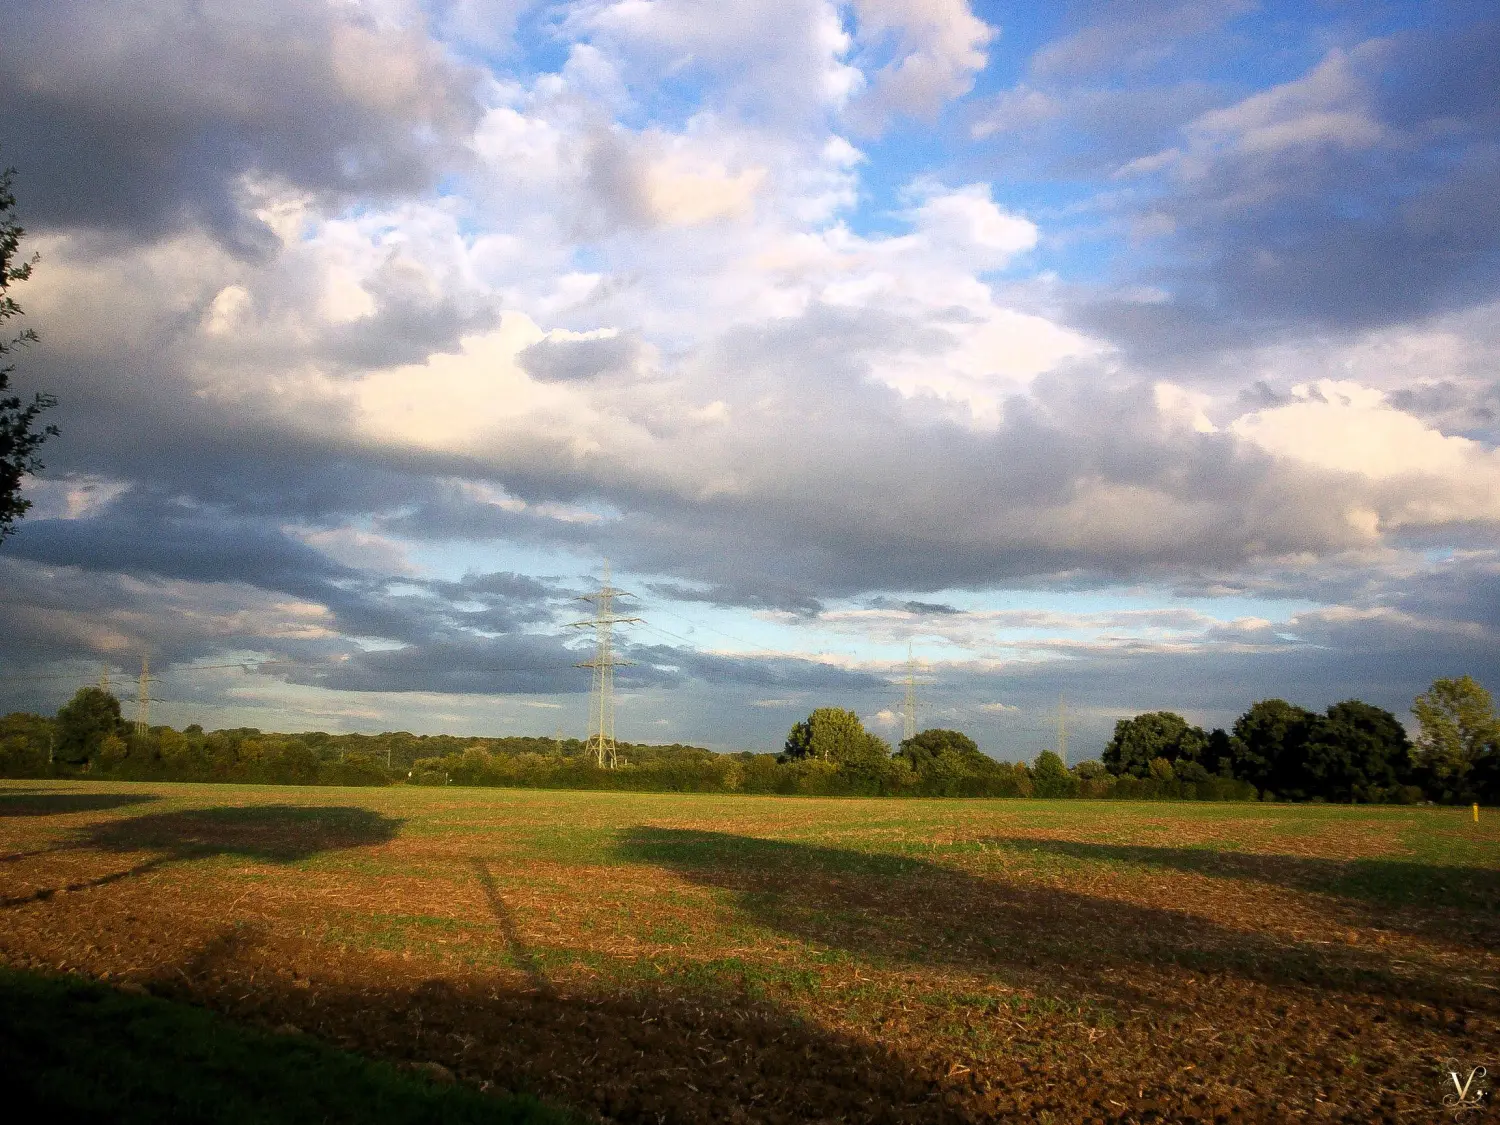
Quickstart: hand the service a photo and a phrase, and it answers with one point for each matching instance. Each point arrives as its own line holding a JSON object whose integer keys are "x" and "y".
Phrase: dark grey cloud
{"x": 146, "y": 533}
{"x": 150, "y": 535}
{"x": 524, "y": 663}
{"x": 672, "y": 665}
{"x": 921, "y": 609}
{"x": 559, "y": 361}
{"x": 139, "y": 116}
{"x": 410, "y": 321}
{"x": 1469, "y": 408}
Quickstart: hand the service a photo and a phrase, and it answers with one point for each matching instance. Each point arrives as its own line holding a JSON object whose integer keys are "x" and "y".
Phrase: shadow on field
{"x": 648, "y": 1055}
{"x": 267, "y": 833}
{"x": 1378, "y": 882}
{"x": 38, "y": 802}
{"x": 895, "y": 909}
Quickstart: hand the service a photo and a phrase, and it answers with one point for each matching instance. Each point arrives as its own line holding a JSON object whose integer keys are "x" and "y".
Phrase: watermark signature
{"x": 1464, "y": 1087}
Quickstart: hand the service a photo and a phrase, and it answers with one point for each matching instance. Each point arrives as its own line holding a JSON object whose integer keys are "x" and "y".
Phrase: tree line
{"x": 1352, "y": 752}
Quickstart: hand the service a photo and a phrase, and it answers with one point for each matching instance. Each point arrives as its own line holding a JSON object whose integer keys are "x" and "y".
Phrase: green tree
{"x": 20, "y": 436}
{"x": 933, "y": 749}
{"x": 1194, "y": 772}
{"x": 84, "y": 722}
{"x": 1355, "y": 752}
{"x": 1458, "y": 744}
{"x": 25, "y": 742}
{"x": 1222, "y": 752}
{"x": 1050, "y": 777}
{"x": 1269, "y": 745}
{"x": 112, "y": 750}
{"x": 949, "y": 763}
{"x": 1156, "y": 734}
{"x": 835, "y": 735}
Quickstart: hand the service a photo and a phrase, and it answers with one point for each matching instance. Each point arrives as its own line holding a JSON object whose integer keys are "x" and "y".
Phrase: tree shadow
{"x": 896, "y": 910}
{"x": 526, "y": 960}
{"x": 266, "y": 833}
{"x": 270, "y": 833}
{"x": 646, "y": 1055}
{"x": 1370, "y": 883}
{"x": 35, "y": 802}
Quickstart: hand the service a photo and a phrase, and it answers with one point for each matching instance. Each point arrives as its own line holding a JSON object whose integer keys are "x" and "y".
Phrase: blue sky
{"x": 1143, "y": 354}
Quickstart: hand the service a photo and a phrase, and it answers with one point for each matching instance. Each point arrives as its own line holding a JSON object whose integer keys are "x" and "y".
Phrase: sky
{"x": 1108, "y": 357}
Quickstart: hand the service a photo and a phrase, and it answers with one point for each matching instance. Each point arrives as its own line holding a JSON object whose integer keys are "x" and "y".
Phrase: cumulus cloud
{"x": 651, "y": 302}
{"x": 937, "y": 47}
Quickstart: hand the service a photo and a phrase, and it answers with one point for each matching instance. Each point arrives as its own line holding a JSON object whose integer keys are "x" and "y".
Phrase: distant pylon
{"x": 104, "y": 680}
{"x": 601, "y": 739}
{"x": 143, "y": 698}
{"x": 909, "y": 706}
{"x": 1062, "y": 728}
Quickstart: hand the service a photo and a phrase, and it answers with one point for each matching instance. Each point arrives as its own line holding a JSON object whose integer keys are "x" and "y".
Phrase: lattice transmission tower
{"x": 601, "y": 739}
{"x": 143, "y": 697}
{"x": 910, "y": 701}
{"x": 1062, "y": 728}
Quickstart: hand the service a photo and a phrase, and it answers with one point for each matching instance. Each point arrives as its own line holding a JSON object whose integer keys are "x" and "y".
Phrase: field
{"x": 653, "y": 958}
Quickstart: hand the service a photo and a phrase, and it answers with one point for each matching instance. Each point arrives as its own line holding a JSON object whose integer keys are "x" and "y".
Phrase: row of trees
{"x": 1275, "y": 750}
{"x": 1353, "y": 751}
{"x": 830, "y": 754}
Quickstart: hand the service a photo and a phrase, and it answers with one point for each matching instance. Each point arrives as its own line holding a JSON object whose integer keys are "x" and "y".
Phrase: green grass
{"x": 78, "y": 1051}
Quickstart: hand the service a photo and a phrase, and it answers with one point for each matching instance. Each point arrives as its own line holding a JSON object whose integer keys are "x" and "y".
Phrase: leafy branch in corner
{"x": 20, "y": 436}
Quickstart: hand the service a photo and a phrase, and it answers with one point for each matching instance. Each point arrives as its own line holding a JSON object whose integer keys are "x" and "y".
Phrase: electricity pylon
{"x": 909, "y": 706}
{"x": 143, "y": 697}
{"x": 910, "y": 702}
{"x": 1062, "y": 728}
{"x": 601, "y": 739}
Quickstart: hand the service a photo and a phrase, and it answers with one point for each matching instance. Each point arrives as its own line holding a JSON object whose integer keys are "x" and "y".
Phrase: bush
{"x": 1050, "y": 778}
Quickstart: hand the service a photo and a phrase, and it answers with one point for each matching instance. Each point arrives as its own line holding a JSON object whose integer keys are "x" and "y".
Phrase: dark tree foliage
{"x": 1222, "y": 752}
{"x": 1356, "y": 751}
{"x": 1269, "y": 742}
{"x": 1157, "y": 734}
{"x": 923, "y": 749}
{"x": 20, "y": 435}
{"x": 948, "y": 763}
{"x": 84, "y": 722}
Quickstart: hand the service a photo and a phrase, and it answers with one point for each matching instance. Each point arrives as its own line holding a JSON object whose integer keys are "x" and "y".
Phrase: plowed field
{"x": 655, "y": 958}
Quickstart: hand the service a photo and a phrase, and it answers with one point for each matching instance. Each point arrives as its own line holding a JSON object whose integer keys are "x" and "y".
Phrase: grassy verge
{"x": 79, "y": 1051}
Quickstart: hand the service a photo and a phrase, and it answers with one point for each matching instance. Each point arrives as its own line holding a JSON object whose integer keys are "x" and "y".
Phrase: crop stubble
{"x": 653, "y": 958}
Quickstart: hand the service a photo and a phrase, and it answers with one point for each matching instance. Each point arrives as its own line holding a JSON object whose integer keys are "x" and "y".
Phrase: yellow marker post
{"x": 1476, "y": 812}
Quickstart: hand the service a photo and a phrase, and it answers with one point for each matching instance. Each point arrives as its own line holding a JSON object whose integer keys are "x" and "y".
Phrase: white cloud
{"x": 682, "y": 195}
{"x": 1346, "y": 427}
{"x": 939, "y": 48}
{"x": 75, "y": 496}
